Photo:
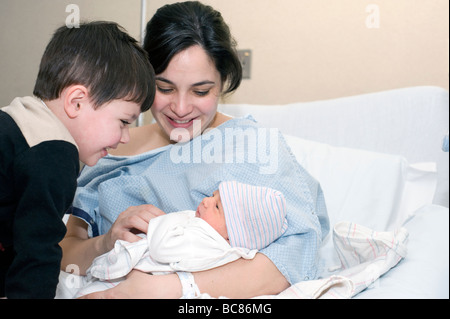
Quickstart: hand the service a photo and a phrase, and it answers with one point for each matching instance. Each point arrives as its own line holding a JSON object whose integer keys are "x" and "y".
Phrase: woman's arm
{"x": 239, "y": 279}
{"x": 242, "y": 279}
{"x": 80, "y": 250}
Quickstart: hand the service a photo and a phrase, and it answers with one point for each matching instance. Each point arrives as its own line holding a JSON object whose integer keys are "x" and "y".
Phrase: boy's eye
{"x": 125, "y": 122}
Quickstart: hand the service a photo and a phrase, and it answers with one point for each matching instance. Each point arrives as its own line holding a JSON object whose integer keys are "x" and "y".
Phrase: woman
{"x": 194, "y": 57}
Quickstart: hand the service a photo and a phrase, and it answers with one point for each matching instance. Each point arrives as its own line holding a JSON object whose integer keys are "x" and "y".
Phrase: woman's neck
{"x": 150, "y": 137}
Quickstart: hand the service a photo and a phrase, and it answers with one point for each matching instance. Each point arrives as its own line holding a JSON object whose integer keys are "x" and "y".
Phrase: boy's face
{"x": 211, "y": 211}
{"x": 104, "y": 128}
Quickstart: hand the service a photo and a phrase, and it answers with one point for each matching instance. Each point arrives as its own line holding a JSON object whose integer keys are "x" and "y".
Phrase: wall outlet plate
{"x": 245, "y": 56}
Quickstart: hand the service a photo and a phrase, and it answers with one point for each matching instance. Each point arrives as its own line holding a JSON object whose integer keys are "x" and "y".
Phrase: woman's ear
{"x": 75, "y": 98}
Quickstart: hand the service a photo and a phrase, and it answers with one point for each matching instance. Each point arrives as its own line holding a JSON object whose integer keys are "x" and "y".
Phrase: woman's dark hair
{"x": 176, "y": 27}
{"x": 100, "y": 56}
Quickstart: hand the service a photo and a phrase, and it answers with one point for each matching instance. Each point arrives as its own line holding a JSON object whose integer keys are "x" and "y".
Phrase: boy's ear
{"x": 76, "y": 97}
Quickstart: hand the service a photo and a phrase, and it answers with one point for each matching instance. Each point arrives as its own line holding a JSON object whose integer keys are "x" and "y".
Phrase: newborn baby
{"x": 235, "y": 222}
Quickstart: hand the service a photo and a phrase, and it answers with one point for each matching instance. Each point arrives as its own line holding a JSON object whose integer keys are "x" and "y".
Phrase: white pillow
{"x": 379, "y": 191}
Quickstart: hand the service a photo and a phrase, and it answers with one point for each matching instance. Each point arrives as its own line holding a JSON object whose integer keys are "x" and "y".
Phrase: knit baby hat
{"x": 255, "y": 216}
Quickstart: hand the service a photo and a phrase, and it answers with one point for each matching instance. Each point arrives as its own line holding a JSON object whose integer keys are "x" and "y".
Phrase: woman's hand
{"x": 79, "y": 249}
{"x": 132, "y": 221}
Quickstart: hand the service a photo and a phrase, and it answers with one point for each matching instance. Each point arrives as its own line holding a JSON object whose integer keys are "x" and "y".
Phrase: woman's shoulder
{"x": 142, "y": 139}
{"x": 226, "y": 121}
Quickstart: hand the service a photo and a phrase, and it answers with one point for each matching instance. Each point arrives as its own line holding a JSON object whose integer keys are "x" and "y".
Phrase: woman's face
{"x": 187, "y": 95}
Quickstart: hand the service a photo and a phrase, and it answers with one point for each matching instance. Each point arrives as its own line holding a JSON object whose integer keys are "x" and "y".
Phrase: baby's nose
{"x": 205, "y": 202}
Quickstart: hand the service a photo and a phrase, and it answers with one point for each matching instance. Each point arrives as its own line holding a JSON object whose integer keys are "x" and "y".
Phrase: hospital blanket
{"x": 365, "y": 255}
{"x": 177, "y": 177}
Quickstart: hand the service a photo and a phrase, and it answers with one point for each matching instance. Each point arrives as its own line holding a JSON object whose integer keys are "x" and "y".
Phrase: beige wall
{"x": 306, "y": 50}
{"x": 303, "y": 50}
{"x": 26, "y": 26}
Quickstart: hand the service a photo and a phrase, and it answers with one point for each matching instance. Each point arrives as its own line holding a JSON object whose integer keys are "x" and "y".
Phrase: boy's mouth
{"x": 107, "y": 149}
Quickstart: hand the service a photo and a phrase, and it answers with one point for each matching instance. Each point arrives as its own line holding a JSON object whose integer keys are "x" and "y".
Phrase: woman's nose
{"x": 181, "y": 107}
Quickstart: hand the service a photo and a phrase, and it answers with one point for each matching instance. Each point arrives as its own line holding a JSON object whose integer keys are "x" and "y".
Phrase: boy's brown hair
{"x": 100, "y": 56}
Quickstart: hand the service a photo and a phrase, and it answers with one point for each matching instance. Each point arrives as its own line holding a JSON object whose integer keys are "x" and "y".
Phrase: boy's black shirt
{"x": 37, "y": 185}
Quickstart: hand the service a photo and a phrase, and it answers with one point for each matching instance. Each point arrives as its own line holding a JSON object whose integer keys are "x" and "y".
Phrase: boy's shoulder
{"x": 12, "y": 140}
{"x": 36, "y": 122}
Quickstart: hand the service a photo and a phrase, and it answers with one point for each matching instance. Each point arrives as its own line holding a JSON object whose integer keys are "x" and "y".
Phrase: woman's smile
{"x": 180, "y": 123}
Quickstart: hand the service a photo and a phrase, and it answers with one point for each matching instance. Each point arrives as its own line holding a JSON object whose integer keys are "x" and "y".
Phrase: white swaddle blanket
{"x": 174, "y": 242}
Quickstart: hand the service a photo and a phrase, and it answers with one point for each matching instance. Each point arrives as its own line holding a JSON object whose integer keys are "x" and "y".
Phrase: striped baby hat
{"x": 255, "y": 216}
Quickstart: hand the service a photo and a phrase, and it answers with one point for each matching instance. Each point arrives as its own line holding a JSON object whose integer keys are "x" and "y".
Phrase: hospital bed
{"x": 380, "y": 162}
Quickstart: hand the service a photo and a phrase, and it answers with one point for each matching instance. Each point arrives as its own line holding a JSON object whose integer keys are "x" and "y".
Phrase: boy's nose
{"x": 125, "y": 136}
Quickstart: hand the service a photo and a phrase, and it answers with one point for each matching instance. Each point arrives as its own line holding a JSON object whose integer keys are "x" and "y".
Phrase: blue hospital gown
{"x": 177, "y": 177}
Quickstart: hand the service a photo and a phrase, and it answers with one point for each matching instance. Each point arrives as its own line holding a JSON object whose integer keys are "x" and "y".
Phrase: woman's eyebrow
{"x": 206, "y": 82}
{"x": 158, "y": 78}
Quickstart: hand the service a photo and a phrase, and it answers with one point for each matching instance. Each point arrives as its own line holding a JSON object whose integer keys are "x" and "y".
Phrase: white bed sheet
{"x": 424, "y": 273}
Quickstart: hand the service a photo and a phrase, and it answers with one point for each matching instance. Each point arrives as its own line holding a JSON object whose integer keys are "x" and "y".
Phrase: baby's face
{"x": 211, "y": 211}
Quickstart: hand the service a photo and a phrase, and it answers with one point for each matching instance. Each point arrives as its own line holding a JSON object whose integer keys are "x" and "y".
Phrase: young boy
{"x": 93, "y": 82}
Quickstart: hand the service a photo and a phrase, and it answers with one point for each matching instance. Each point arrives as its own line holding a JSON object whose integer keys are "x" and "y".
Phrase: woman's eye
{"x": 201, "y": 93}
{"x": 164, "y": 91}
